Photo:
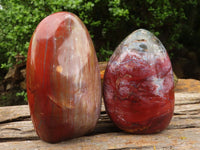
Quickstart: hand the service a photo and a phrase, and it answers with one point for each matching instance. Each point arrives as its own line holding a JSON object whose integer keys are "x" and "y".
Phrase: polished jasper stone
{"x": 138, "y": 84}
{"x": 63, "y": 79}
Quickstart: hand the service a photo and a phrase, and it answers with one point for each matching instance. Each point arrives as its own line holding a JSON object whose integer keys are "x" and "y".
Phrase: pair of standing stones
{"x": 64, "y": 85}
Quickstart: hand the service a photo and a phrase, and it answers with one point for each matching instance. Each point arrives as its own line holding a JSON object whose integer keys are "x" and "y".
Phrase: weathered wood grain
{"x": 188, "y": 85}
{"x": 185, "y": 139}
{"x": 17, "y": 132}
{"x": 11, "y": 113}
{"x": 24, "y": 129}
{"x": 187, "y": 98}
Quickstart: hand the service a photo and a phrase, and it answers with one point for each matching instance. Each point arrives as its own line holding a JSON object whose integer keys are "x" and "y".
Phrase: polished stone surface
{"x": 63, "y": 79}
{"x": 138, "y": 84}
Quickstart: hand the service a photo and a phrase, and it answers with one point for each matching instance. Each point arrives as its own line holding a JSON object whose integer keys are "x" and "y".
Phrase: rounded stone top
{"x": 142, "y": 40}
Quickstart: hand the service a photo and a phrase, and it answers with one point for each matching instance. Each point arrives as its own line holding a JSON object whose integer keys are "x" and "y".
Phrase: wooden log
{"x": 23, "y": 130}
{"x": 11, "y": 113}
{"x": 17, "y": 132}
{"x": 188, "y": 85}
{"x": 187, "y": 98}
{"x": 168, "y": 139}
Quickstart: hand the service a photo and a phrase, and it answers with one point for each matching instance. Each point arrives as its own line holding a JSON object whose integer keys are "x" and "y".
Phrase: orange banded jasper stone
{"x": 138, "y": 85}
